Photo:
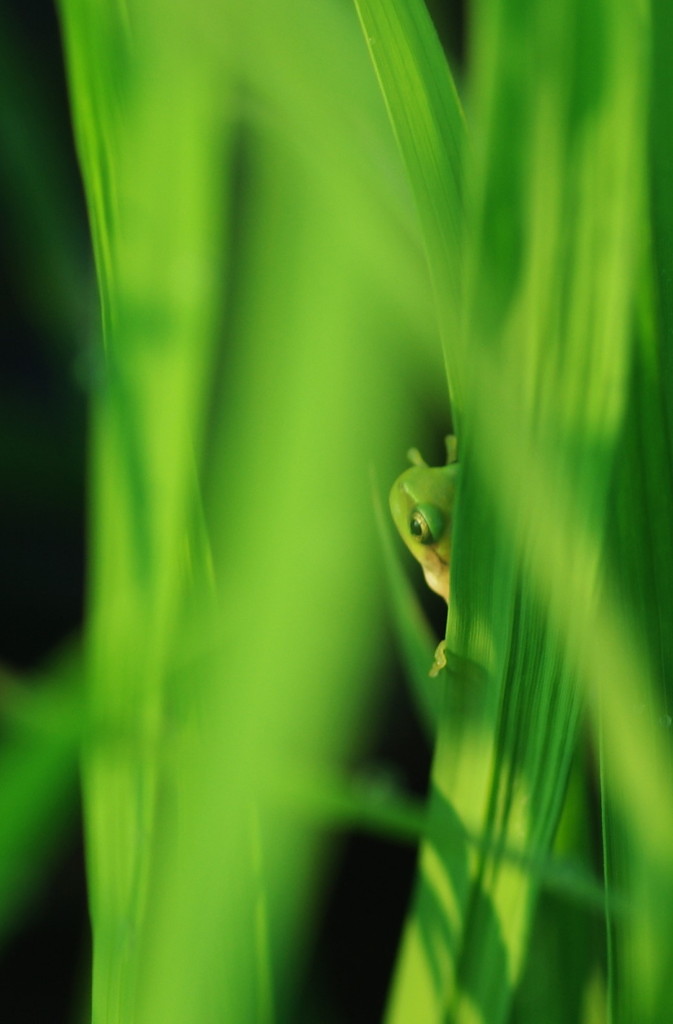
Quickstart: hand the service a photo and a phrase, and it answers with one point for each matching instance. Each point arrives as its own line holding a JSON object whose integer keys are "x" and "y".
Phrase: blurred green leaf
{"x": 260, "y": 275}
{"x": 41, "y": 727}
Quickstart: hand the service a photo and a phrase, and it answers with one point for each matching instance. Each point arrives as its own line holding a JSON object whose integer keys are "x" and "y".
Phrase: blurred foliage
{"x": 561, "y": 399}
{"x": 286, "y": 287}
{"x": 247, "y": 251}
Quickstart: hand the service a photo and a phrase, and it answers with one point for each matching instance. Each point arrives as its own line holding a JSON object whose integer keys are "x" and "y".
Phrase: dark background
{"x": 49, "y": 327}
{"x": 42, "y": 461}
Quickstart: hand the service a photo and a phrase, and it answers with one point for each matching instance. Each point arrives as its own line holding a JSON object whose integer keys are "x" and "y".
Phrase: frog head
{"x": 421, "y": 503}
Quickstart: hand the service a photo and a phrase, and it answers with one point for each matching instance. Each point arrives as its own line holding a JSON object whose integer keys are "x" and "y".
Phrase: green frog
{"x": 421, "y": 503}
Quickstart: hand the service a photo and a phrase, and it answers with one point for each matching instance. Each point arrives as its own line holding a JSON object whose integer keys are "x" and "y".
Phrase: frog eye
{"x": 426, "y": 524}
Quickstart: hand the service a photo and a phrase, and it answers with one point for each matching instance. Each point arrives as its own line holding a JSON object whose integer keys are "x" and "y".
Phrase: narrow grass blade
{"x": 427, "y": 119}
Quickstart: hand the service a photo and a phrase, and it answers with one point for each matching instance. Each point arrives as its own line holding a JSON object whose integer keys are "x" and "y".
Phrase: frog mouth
{"x": 436, "y": 572}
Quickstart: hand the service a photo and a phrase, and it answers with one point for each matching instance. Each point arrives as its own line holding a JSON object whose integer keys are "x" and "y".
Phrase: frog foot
{"x": 440, "y": 660}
